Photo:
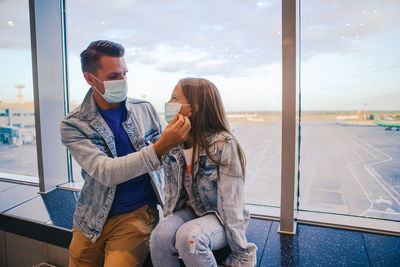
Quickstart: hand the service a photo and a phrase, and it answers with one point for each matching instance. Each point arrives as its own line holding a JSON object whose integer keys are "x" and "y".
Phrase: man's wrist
{"x": 160, "y": 149}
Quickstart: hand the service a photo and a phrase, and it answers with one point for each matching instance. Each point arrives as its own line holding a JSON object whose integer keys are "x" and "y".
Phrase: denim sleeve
{"x": 231, "y": 207}
{"x": 161, "y": 124}
{"x": 106, "y": 170}
{"x": 173, "y": 172}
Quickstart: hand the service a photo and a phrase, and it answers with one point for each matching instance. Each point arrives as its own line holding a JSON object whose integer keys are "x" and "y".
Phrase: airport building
{"x": 17, "y": 125}
{"x": 311, "y": 92}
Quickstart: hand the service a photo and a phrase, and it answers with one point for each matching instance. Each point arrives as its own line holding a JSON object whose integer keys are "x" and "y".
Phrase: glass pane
{"x": 17, "y": 120}
{"x": 350, "y": 161}
{"x": 235, "y": 44}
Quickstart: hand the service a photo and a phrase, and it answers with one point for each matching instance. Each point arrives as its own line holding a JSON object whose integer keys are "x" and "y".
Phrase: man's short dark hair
{"x": 96, "y": 49}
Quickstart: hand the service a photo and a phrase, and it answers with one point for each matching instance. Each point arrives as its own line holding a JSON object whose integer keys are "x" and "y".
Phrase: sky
{"x": 349, "y": 55}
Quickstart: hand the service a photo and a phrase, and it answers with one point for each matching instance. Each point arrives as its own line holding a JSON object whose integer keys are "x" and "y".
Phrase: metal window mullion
{"x": 32, "y": 19}
{"x": 66, "y": 79}
{"x": 47, "y": 41}
{"x": 287, "y": 222}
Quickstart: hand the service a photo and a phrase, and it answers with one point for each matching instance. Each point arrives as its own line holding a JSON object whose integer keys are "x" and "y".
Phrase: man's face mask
{"x": 115, "y": 91}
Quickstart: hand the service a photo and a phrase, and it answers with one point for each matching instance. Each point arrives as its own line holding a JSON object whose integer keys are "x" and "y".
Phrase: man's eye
{"x": 114, "y": 77}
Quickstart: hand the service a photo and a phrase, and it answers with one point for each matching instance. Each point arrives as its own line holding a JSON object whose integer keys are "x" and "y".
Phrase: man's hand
{"x": 174, "y": 134}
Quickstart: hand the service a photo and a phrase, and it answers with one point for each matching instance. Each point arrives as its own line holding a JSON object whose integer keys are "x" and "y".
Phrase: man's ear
{"x": 89, "y": 78}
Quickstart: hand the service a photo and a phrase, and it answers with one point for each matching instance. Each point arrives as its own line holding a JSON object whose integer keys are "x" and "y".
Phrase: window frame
{"x": 54, "y": 161}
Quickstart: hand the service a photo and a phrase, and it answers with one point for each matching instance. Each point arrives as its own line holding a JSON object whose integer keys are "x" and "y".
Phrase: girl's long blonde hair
{"x": 208, "y": 116}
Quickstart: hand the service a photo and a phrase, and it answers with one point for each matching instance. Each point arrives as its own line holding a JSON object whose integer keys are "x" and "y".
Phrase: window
{"x": 235, "y": 44}
{"x": 17, "y": 121}
{"x": 349, "y": 74}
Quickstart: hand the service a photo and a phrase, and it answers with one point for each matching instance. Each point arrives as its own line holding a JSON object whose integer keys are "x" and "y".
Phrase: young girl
{"x": 204, "y": 186}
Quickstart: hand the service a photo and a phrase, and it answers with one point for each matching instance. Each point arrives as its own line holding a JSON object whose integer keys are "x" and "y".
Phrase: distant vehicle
{"x": 349, "y": 117}
{"x": 387, "y": 118}
{"x": 388, "y": 124}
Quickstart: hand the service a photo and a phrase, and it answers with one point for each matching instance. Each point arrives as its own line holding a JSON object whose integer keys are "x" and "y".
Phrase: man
{"x": 118, "y": 143}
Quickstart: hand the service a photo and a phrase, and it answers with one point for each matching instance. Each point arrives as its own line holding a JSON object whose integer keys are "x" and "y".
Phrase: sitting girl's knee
{"x": 191, "y": 239}
{"x": 162, "y": 235}
{"x": 157, "y": 236}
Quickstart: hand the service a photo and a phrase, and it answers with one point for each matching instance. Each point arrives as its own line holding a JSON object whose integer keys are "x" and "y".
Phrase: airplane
{"x": 388, "y": 124}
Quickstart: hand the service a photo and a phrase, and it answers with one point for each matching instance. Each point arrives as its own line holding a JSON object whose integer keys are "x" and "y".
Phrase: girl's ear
{"x": 195, "y": 109}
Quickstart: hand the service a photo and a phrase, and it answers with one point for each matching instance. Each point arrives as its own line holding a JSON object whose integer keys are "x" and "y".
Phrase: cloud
{"x": 209, "y": 37}
{"x": 14, "y": 25}
{"x": 345, "y": 26}
{"x": 235, "y": 32}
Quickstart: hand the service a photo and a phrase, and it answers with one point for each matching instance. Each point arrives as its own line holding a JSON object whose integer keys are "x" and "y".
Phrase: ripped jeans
{"x": 186, "y": 235}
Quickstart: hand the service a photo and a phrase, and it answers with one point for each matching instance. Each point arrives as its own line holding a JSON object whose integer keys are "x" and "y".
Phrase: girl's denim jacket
{"x": 91, "y": 142}
{"x": 217, "y": 189}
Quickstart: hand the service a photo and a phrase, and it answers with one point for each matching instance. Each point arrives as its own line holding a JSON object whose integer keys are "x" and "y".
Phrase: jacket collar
{"x": 89, "y": 110}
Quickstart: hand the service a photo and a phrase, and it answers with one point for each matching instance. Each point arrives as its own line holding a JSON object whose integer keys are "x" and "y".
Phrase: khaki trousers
{"x": 123, "y": 242}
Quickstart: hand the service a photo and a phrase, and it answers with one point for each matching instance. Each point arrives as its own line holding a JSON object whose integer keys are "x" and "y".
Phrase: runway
{"x": 18, "y": 159}
{"x": 344, "y": 169}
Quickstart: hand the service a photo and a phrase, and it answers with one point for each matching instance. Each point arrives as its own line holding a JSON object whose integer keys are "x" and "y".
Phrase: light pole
{"x": 19, "y": 86}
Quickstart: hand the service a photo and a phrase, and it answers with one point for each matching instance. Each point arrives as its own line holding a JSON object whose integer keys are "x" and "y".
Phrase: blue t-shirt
{"x": 138, "y": 191}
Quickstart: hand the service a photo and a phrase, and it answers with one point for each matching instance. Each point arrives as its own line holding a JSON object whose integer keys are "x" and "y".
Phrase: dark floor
{"x": 321, "y": 246}
{"x": 311, "y": 246}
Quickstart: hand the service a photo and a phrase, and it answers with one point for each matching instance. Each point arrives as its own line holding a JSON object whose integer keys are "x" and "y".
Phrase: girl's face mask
{"x": 171, "y": 109}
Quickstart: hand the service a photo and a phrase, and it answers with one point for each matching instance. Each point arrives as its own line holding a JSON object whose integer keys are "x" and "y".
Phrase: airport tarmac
{"x": 344, "y": 169}
{"x": 18, "y": 159}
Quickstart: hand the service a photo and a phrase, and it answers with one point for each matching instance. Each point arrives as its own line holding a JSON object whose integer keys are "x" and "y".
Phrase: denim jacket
{"x": 215, "y": 189}
{"x": 91, "y": 142}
